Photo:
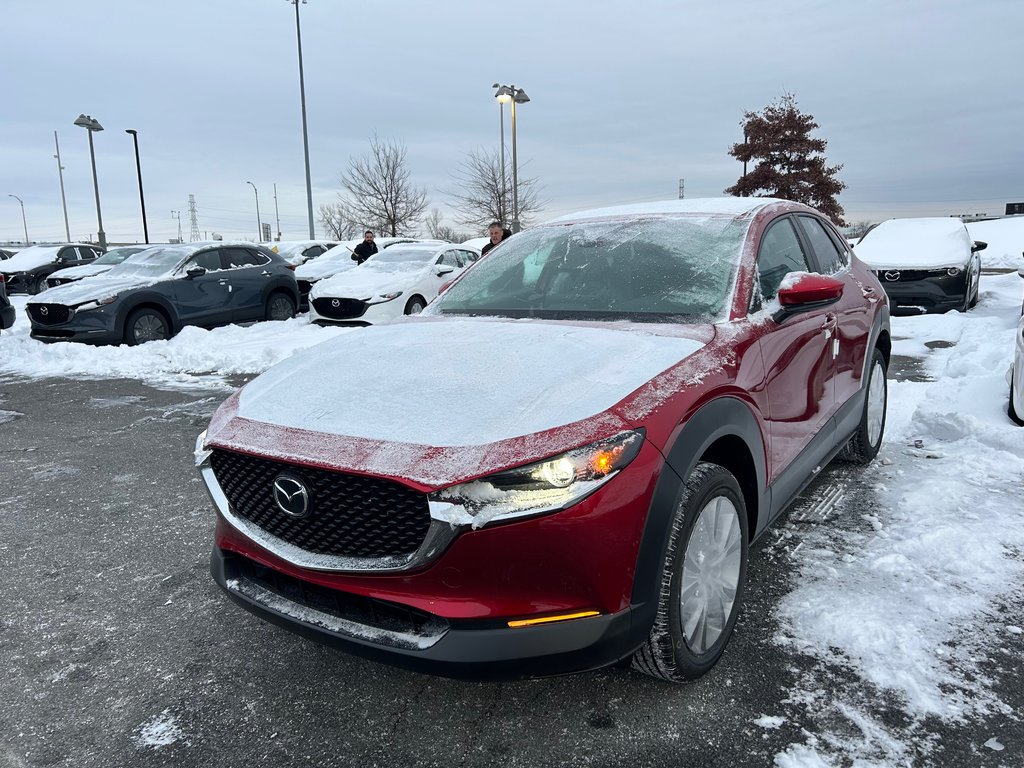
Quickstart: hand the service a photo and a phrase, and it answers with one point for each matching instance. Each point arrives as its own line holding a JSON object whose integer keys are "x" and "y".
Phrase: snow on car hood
{"x": 30, "y": 258}
{"x": 81, "y": 291}
{"x": 368, "y": 281}
{"x": 457, "y": 382}
{"x": 930, "y": 243}
{"x": 85, "y": 270}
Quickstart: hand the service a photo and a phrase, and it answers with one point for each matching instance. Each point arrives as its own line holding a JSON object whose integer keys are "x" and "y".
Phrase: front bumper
{"x": 94, "y": 326}
{"x": 341, "y": 311}
{"x": 931, "y": 294}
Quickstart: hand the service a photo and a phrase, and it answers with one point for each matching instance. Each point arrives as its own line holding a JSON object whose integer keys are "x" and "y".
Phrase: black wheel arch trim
{"x": 148, "y": 299}
{"x": 723, "y": 419}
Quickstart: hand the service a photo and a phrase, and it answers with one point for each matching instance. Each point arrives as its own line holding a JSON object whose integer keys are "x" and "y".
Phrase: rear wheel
{"x": 703, "y": 577}
{"x": 864, "y": 443}
{"x": 280, "y": 307}
{"x": 146, "y": 324}
{"x": 415, "y": 305}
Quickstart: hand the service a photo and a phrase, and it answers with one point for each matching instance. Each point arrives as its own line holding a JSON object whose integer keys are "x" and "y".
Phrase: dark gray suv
{"x": 154, "y": 294}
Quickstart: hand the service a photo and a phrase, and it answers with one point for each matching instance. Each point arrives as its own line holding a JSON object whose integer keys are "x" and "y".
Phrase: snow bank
{"x": 1005, "y": 238}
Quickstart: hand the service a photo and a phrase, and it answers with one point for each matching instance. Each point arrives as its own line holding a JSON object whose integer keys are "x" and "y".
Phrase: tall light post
{"x": 504, "y": 96}
{"x": 63, "y": 200}
{"x": 23, "y": 222}
{"x": 518, "y": 96}
{"x": 92, "y": 125}
{"x": 259, "y": 224}
{"x": 305, "y": 132}
{"x": 138, "y": 168}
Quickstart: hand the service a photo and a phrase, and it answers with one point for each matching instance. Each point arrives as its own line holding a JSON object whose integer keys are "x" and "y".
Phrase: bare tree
{"x": 338, "y": 223}
{"x": 482, "y": 196}
{"x": 380, "y": 195}
{"x": 439, "y": 231}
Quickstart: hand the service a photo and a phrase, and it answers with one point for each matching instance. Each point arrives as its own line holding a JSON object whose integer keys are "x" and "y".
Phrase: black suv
{"x": 154, "y": 294}
{"x": 27, "y": 270}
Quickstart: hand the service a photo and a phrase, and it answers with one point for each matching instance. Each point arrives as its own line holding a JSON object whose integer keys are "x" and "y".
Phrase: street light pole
{"x": 277, "y": 215}
{"x": 92, "y": 125}
{"x": 259, "y": 224}
{"x": 63, "y": 200}
{"x": 518, "y": 97}
{"x": 305, "y": 131}
{"x": 138, "y": 167}
{"x": 23, "y": 222}
{"x": 503, "y": 95}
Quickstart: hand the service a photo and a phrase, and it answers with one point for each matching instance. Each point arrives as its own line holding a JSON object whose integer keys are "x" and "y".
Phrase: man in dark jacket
{"x": 365, "y": 249}
{"x": 497, "y": 233}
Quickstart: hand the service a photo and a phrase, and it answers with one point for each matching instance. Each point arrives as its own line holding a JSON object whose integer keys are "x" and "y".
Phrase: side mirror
{"x": 979, "y": 245}
{"x": 192, "y": 272}
{"x": 443, "y": 269}
{"x": 801, "y": 292}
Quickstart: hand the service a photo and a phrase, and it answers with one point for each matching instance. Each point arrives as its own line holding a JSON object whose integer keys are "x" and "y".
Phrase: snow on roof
{"x": 30, "y": 258}
{"x": 476, "y": 242}
{"x": 927, "y": 243}
{"x": 724, "y": 206}
{"x": 1005, "y": 238}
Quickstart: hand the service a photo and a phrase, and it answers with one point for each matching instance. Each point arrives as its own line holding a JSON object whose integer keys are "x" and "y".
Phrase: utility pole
{"x": 193, "y": 219}
{"x": 277, "y": 216}
{"x": 177, "y": 215}
{"x": 305, "y": 131}
{"x": 63, "y": 200}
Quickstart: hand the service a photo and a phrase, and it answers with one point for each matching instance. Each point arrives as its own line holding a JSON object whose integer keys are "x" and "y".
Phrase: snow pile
{"x": 161, "y": 731}
{"x": 1005, "y": 238}
{"x": 904, "y": 593}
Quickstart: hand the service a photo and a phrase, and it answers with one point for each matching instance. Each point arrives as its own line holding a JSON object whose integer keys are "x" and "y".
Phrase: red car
{"x": 561, "y": 464}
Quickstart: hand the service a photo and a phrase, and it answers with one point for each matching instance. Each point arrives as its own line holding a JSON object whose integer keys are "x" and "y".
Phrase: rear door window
{"x": 830, "y": 258}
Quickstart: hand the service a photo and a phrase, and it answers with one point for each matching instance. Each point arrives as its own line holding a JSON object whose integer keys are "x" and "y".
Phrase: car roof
{"x": 710, "y": 206}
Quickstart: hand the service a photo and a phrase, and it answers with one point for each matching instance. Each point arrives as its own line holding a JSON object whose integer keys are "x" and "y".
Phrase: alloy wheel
{"x": 876, "y": 404}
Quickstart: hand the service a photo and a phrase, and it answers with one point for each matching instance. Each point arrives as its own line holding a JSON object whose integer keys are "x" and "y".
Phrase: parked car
{"x": 6, "y": 310}
{"x": 562, "y": 462}
{"x": 155, "y": 293}
{"x": 400, "y": 280}
{"x": 924, "y": 265}
{"x": 98, "y": 267}
{"x": 337, "y": 260}
{"x": 27, "y": 270}
{"x": 300, "y": 251}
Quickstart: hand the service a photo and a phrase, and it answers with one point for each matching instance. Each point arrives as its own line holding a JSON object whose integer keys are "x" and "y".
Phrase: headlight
{"x": 102, "y": 302}
{"x": 385, "y": 297}
{"x": 534, "y": 489}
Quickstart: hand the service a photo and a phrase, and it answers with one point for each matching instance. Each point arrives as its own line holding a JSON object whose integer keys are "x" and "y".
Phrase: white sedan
{"x": 400, "y": 280}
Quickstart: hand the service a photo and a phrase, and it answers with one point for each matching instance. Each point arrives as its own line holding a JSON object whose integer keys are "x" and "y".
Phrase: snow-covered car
{"x": 28, "y": 269}
{"x": 300, "y": 251}
{"x": 562, "y": 462}
{"x": 103, "y": 264}
{"x": 153, "y": 294}
{"x": 400, "y": 280}
{"x": 337, "y": 260}
{"x": 924, "y": 264}
{"x": 6, "y": 310}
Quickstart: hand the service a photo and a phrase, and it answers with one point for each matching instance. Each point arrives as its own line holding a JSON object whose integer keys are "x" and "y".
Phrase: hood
{"x": 366, "y": 282}
{"x": 441, "y": 401}
{"x": 80, "y": 291}
{"x": 86, "y": 270}
{"x": 322, "y": 266}
{"x": 930, "y": 243}
{"x": 30, "y": 258}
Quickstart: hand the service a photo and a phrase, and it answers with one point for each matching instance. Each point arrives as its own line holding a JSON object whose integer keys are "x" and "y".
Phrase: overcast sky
{"x": 918, "y": 99}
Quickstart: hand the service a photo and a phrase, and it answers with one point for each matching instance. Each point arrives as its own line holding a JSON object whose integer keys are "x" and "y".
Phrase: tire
{"x": 864, "y": 443}
{"x": 38, "y": 285}
{"x": 697, "y": 607}
{"x": 280, "y": 306}
{"x": 1015, "y": 417}
{"x": 415, "y": 305}
{"x": 146, "y": 324}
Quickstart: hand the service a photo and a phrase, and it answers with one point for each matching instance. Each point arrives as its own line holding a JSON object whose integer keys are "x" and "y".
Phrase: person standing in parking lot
{"x": 365, "y": 249}
{"x": 497, "y": 233}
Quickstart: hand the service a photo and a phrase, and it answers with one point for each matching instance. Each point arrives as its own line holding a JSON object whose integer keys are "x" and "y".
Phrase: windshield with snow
{"x": 396, "y": 258}
{"x": 659, "y": 269}
{"x": 154, "y": 263}
{"x": 117, "y": 255}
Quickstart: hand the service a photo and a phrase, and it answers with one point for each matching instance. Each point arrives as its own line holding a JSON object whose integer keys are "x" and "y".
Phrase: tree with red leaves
{"x": 787, "y": 161}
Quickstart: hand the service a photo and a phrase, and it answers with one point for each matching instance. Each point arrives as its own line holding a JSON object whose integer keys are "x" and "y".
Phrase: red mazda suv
{"x": 562, "y": 462}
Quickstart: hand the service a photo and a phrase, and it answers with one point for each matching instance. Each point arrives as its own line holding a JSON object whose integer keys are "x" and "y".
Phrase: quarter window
{"x": 830, "y": 258}
{"x": 779, "y": 255}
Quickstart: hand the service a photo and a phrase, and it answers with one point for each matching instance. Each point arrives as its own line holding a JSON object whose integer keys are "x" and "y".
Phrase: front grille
{"x": 49, "y": 314}
{"x": 350, "y": 515}
{"x": 391, "y": 618}
{"x": 340, "y": 309}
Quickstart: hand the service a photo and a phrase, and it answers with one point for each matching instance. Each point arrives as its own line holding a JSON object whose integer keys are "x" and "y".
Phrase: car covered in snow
{"x": 28, "y": 269}
{"x": 300, "y": 251}
{"x": 7, "y": 314}
{"x": 924, "y": 264}
{"x": 102, "y": 265}
{"x": 562, "y": 462}
{"x": 400, "y": 280}
{"x": 155, "y": 293}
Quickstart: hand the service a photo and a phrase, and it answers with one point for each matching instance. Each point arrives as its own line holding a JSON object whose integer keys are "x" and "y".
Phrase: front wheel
{"x": 280, "y": 307}
{"x": 38, "y": 285}
{"x": 702, "y": 581}
{"x": 864, "y": 443}
{"x": 144, "y": 325}
{"x": 415, "y": 306}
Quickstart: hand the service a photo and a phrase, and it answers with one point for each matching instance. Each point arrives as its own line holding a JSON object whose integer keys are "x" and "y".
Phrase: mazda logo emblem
{"x": 44, "y": 310}
{"x": 892, "y": 275}
{"x": 291, "y": 496}
{"x": 335, "y": 302}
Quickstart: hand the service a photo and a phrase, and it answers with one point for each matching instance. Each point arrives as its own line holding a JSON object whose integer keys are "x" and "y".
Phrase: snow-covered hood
{"x": 439, "y": 401}
{"x": 81, "y": 291}
{"x": 30, "y": 258}
{"x": 366, "y": 282}
{"x": 930, "y": 243}
{"x": 321, "y": 267}
{"x": 85, "y": 270}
